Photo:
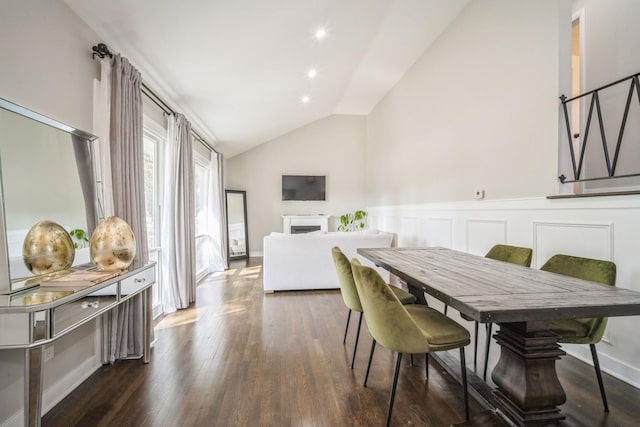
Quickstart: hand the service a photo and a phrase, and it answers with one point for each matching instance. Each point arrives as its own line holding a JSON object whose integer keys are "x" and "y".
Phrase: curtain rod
{"x": 101, "y": 50}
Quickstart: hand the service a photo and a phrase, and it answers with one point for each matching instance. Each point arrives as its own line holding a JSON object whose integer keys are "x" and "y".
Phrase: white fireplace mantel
{"x": 289, "y": 221}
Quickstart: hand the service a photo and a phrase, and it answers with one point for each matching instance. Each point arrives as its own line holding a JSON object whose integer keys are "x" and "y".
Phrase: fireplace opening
{"x": 299, "y": 229}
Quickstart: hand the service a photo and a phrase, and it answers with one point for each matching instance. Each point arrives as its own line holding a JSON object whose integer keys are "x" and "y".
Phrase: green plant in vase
{"x": 353, "y": 221}
{"x": 79, "y": 237}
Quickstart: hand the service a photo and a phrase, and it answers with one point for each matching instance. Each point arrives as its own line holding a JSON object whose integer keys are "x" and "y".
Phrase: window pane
{"x": 150, "y": 190}
{"x": 201, "y": 253}
{"x": 200, "y": 177}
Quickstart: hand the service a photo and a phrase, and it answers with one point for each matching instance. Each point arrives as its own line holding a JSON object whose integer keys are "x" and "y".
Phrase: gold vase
{"x": 113, "y": 245}
{"x": 47, "y": 248}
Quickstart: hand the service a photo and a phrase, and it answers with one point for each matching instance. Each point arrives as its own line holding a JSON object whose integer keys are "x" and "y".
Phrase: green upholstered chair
{"x": 583, "y": 331}
{"x": 350, "y": 293}
{"x": 507, "y": 253}
{"x": 406, "y": 329}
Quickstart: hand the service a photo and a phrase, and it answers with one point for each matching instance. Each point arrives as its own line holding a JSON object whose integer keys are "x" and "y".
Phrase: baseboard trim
{"x": 58, "y": 391}
{"x": 616, "y": 368}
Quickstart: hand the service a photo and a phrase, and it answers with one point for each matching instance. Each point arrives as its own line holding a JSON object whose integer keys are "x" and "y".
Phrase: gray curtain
{"x": 124, "y": 337}
{"x": 223, "y": 210}
{"x": 178, "y": 232}
{"x": 82, "y": 153}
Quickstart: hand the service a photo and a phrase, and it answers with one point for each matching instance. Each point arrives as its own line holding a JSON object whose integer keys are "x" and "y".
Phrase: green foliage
{"x": 353, "y": 221}
{"x": 79, "y": 237}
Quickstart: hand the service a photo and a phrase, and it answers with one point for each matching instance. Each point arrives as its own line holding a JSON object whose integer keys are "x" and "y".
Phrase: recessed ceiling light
{"x": 312, "y": 73}
{"x": 305, "y": 99}
{"x": 321, "y": 33}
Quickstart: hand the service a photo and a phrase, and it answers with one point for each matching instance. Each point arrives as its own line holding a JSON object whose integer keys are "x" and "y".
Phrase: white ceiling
{"x": 238, "y": 68}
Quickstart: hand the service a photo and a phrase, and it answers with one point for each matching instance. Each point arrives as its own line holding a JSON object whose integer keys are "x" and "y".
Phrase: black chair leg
{"x": 486, "y": 351}
{"x": 596, "y": 365}
{"x": 366, "y": 376}
{"x": 475, "y": 347}
{"x": 463, "y": 372}
{"x": 426, "y": 365}
{"x": 344, "y": 340}
{"x": 393, "y": 389}
{"x": 445, "y": 309}
{"x": 411, "y": 360}
{"x": 355, "y": 346}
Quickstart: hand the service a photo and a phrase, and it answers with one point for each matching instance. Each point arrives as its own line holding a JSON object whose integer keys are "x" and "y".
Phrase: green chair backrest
{"x": 388, "y": 321}
{"x": 511, "y": 254}
{"x": 594, "y": 270}
{"x": 345, "y": 279}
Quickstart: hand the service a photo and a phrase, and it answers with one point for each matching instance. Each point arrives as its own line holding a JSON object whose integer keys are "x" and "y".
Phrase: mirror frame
{"x": 5, "y": 278}
{"x": 246, "y": 227}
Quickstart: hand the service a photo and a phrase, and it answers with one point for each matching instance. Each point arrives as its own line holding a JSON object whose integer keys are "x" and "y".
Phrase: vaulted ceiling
{"x": 239, "y": 70}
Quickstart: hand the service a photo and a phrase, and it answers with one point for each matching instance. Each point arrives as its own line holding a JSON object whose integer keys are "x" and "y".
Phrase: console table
{"x": 33, "y": 318}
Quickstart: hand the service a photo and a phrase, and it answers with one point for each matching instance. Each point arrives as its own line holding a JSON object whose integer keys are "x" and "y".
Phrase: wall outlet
{"x": 48, "y": 353}
{"x": 479, "y": 194}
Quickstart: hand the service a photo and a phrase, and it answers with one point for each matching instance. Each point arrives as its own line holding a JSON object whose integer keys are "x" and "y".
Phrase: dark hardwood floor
{"x": 239, "y": 357}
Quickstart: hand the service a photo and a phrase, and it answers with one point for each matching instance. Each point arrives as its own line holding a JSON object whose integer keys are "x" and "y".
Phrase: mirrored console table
{"x": 33, "y": 318}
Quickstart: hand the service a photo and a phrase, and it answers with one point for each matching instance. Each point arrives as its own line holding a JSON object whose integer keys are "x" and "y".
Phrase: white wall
{"x": 479, "y": 110}
{"x": 45, "y": 52}
{"x": 333, "y": 146}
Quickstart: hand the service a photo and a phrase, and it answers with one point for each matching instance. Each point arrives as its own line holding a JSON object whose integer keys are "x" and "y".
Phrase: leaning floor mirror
{"x": 237, "y": 235}
{"x": 46, "y": 174}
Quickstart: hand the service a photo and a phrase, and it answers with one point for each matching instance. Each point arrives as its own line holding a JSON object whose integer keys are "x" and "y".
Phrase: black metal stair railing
{"x": 634, "y": 86}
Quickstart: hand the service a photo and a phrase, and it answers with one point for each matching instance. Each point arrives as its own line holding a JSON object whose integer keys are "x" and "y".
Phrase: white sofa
{"x": 304, "y": 261}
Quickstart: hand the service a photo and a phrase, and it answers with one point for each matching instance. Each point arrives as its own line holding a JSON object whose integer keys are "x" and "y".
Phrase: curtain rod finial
{"x": 101, "y": 50}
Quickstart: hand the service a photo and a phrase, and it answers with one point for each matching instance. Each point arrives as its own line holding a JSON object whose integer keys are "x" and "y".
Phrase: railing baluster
{"x": 622, "y": 127}
{"x": 602, "y": 134}
{"x": 583, "y": 143}
{"x": 595, "y": 102}
{"x": 566, "y": 121}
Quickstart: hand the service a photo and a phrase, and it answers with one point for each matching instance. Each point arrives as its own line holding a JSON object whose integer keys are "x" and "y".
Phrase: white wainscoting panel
{"x": 588, "y": 240}
{"x": 436, "y": 232}
{"x": 408, "y": 235}
{"x": 482, "y": 234}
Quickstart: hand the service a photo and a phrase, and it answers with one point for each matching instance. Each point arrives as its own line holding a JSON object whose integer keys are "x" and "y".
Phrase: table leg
{"x": 528, "y": 390}
{"x": 418, "y": 293}
{"x": 33, "y": 380}
{"x": 147, "y": 304}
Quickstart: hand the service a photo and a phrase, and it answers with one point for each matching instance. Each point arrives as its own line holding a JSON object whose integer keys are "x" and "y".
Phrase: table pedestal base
{"x": 528, "y": 388}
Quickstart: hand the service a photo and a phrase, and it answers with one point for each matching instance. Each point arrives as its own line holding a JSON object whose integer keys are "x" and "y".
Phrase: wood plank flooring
{"x": 239, "y": 357}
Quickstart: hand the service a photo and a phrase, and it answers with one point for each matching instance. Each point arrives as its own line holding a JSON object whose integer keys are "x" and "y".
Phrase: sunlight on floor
{"x": 181, "y": 317}
{"x": 234, "y": 308}
{"x": 251, "y": 270}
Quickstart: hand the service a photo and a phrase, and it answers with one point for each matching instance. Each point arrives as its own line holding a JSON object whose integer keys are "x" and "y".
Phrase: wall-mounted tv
{"x": 300, "y": 187}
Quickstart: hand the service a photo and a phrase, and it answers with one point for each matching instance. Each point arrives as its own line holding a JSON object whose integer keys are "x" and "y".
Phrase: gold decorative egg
{"x": 113, "y": 245}
{"x": 47, "y": 247}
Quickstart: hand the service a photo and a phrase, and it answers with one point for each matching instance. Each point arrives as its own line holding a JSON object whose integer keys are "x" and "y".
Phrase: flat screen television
{"x": 300, "y": 187}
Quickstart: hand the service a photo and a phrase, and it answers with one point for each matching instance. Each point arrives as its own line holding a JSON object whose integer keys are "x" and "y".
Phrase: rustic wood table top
{"x": 494, "y": 291}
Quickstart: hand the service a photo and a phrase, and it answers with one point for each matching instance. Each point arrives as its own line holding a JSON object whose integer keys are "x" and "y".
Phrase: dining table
{"x": 522, "y": 301}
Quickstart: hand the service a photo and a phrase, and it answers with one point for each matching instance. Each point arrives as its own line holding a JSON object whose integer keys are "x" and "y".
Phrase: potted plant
{"x": 353, "y": 221}
{"x": 79, "y": 237}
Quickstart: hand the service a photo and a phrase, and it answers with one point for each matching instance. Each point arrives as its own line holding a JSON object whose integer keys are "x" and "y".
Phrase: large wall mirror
{"x": 237, "y": 242}
{"x": 45, "y": 174}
